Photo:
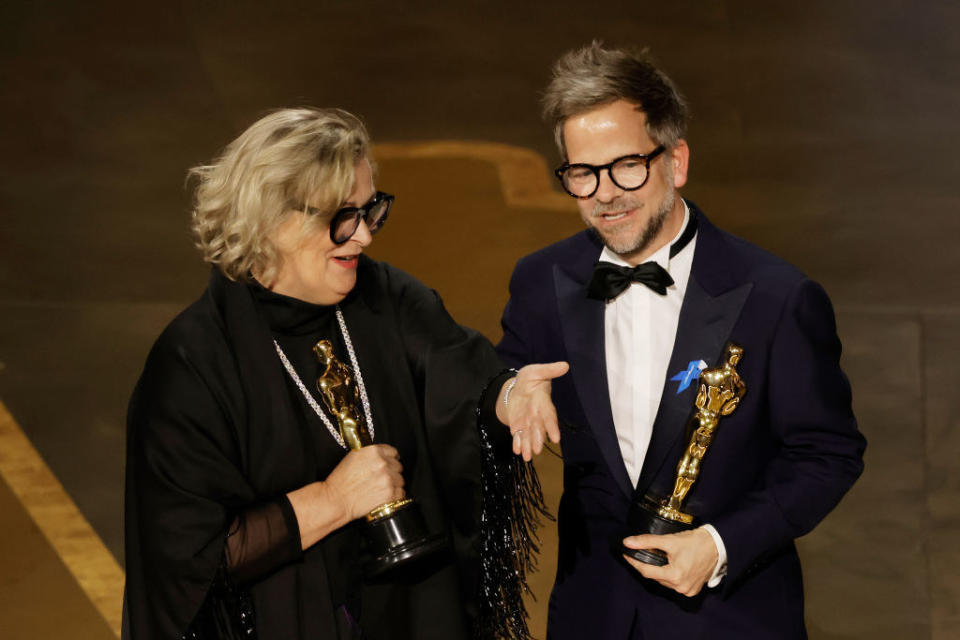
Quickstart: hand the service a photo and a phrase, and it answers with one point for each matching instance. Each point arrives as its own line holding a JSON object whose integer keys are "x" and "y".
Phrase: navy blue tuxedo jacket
{"x": 776, "y": 467}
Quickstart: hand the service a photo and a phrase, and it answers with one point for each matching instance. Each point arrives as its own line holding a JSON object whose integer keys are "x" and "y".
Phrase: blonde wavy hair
{"x": 284, "y": 161}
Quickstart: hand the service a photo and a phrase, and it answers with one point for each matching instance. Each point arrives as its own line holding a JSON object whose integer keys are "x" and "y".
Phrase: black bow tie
{"x": 610, "y": 280}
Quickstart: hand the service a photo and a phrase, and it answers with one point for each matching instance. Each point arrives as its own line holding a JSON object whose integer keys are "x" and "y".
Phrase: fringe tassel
{"x": 510, "y": 511}
{"x": 227, "y": 613}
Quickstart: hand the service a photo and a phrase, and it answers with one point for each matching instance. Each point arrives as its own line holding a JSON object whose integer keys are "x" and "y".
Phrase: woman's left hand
{"x": 528, "y": 410}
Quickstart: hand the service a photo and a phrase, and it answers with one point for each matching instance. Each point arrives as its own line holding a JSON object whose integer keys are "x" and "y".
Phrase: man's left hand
{"x": 692, "y": 558}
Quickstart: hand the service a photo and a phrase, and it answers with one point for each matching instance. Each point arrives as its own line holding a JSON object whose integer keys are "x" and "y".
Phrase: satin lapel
{"x": 702, "y": 331}
{"x": 583, "y": 336}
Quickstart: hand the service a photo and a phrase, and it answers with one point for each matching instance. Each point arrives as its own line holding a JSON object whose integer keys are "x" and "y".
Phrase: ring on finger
{"x": 517, "y": 432}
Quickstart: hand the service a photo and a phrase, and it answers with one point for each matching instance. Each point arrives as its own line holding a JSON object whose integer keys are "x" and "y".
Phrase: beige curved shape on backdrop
{"x": 523, "y": 172}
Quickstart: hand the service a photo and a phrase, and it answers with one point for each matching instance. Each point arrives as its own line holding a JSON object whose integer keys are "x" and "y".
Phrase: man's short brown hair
{"x": 592, "y": 76}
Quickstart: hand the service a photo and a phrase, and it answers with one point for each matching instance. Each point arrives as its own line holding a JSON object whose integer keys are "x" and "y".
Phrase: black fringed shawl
{"x": 511, "y": 505}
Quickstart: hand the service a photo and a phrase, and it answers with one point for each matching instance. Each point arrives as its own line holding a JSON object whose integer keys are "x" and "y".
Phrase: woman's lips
{"x": 347, "y": 262}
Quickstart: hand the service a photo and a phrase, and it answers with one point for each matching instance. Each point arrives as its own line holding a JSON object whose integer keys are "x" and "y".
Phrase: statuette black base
{"x": 400, "y": 540}
{"x": 644, "y": 519}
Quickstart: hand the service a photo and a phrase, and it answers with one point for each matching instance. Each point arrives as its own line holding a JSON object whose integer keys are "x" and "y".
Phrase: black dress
{"x": 218, "y": 434}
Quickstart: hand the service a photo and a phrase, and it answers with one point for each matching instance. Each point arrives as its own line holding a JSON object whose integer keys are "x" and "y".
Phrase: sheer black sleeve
{"x": 260, "y": 540}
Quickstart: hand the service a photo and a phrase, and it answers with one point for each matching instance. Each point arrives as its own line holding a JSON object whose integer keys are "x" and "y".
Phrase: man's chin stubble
{"x": 636, "y": 244}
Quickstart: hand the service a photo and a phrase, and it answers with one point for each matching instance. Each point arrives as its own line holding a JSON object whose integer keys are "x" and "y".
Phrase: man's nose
{"x": 607, "y": 190}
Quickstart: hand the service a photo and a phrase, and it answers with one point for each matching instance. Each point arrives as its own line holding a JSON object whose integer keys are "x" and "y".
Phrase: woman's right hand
{"x": 365, "y": 479}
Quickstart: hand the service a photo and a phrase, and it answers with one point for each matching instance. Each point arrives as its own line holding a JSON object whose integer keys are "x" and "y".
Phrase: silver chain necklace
{"x": 335, "y": 432}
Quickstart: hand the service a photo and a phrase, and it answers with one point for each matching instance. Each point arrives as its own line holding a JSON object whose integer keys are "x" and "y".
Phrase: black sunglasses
{"x": 346, "y": 221}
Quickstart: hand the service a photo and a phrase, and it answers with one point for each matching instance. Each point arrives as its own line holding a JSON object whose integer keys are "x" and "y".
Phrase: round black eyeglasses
{"x": 346, "y": 221}
{"x": 627, "y": 172}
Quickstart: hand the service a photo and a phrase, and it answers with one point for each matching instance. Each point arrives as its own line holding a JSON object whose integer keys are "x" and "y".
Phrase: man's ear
{"x": 680, "y": 157}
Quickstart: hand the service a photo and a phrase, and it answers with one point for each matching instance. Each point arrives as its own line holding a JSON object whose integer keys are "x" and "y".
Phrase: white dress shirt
{"x": 640, "y": 326}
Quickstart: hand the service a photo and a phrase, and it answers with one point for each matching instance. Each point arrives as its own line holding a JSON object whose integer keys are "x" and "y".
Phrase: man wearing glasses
{"x": 639, "y": 304}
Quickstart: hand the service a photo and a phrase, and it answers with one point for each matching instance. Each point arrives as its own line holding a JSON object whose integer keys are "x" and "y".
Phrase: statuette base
{"x": 399, "y": 539}
{"x": 388, "y": 508}
{"x": 654, "y": 517}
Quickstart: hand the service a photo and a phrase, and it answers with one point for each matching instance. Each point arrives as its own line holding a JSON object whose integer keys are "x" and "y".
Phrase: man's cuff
{"x": 720, "y": 570}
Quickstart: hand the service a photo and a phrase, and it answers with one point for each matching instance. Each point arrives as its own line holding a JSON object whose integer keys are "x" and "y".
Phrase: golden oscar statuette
{"x": 719, "y": 394}
{"x": 396, "y": 533}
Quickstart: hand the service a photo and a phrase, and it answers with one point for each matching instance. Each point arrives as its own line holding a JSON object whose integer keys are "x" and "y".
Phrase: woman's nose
{"x": 362, "y": 235}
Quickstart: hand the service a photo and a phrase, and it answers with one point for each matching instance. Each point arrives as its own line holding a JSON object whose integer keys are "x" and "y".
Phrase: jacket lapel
{"x": 704, "y": 327}
{"x": 583, "y": 336}
{"x": 711, "y": 307}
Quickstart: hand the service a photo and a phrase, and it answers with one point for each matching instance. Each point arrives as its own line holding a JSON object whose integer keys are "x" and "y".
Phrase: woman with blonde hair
{"x": 244, "y": 506}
